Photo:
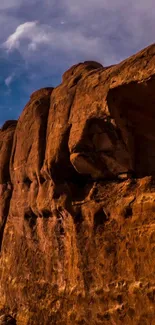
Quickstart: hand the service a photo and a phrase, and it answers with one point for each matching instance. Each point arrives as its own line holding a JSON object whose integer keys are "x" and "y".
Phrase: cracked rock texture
{"x": 77, "y": 200}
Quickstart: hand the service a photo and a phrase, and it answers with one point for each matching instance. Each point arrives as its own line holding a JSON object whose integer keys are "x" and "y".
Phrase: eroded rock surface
{"x": 6, "y": 140}
{"x": 78, "y": 199}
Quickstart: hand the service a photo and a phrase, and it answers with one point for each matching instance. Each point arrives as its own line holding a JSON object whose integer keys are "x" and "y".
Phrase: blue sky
{"x": 40, "y": 39}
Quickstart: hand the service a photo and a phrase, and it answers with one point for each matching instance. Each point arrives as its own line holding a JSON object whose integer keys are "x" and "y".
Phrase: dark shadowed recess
{"x": 5, "y": 212}
{"x": 7, "y": 320}
{"x": 8, "y": 124}
{"x": 132, "y": 106}
{"x": 62, "y": 171}
{"x": 2, "y": 231}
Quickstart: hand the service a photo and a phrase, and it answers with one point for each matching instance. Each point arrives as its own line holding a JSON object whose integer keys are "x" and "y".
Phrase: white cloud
{"x": 9, "y": 80}
{"x": 33, "y": 34}
{"x": 96, "y": 29}
{"x": 23, "y": 31}
{"x": 102, "y": 30}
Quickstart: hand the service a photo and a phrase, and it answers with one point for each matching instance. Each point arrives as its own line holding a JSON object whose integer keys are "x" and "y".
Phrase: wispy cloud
{"x": 104, "y": 30}
{"x": 34, "y": 36}
{"x": 26, "y": 31}
{"x": 9, "y": 80}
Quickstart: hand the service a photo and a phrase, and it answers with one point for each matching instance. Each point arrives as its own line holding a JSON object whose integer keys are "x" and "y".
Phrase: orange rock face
{"x": 77, "y": 200}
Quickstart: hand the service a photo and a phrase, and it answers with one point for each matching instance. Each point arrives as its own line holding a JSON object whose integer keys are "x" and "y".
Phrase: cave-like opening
{"x": 133, "y": 108}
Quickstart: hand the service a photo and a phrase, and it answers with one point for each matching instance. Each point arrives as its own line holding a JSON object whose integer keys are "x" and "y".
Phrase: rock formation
{"x": 77, "y": 200}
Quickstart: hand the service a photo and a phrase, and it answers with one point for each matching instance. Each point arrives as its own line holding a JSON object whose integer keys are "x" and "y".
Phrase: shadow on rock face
{"x": 7, "y": 320}
{"x": 6, "y": 141}
{"x": 101, "y": 151}
{"x": 134, "y": 115}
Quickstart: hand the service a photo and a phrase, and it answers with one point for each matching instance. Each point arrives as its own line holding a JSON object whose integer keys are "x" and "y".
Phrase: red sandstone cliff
{"x": 77, "y": 200}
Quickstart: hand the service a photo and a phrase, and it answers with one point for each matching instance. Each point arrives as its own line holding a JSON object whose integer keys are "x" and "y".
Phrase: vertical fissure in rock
{"x": 42, "y": 133}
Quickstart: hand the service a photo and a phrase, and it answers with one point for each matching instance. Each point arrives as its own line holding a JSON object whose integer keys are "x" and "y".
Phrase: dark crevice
{"x": 62, "y": 170}
{"x": 78, "y": 218}
{"x": 27, "y": 181}
{"x": 42, "y": 179}
{"x": 12, "y": 158}
{"x": 62, "y": 166}
{"x": 76, "y": 80}
{"x": 28, "y": 152}
{"x": 5, "y": 215}
{"x": 100, "y": 218}
{"x": 56, "y": 195}
{"x": 7, "y": 320}
{"x": 5, "y": 167}
{"x": 79, "y": 186}
{"x": 2, "y": 231}
{"x": 31, "y": 218}
{"x": 44, "y": 112}
{"x": 61, "y": 230}
{"x": 8, "y": 124}
{"x": 46, "y": 213}
{"x": 128, "y": 212}
{"x": 60, "y": 227}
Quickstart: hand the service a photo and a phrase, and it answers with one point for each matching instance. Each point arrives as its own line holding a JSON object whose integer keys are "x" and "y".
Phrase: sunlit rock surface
{"x": 77, "y": 200}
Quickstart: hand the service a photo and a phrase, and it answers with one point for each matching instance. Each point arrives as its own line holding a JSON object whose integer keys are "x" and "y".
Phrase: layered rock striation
{"x": 77, "y": 199}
